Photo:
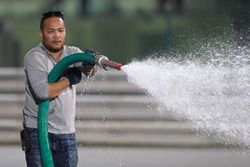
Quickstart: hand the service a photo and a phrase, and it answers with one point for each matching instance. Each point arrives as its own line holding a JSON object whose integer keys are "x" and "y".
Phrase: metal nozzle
{"x": 111, "y": 64}
{"x": 104, "y": 62}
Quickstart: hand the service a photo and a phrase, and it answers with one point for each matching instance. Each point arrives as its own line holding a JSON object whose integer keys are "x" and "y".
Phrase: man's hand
{"x": 98, "y": 57}
{"x": 73, "y": 75}
{"x": 88, "y": 70}
{"x": 91, "y": 51}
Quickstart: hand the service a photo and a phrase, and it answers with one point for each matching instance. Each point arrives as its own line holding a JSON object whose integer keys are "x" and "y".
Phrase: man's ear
{"x": 40, "y": 34}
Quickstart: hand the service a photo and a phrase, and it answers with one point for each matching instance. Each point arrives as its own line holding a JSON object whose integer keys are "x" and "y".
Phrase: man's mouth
{"x": 56, "y": 42}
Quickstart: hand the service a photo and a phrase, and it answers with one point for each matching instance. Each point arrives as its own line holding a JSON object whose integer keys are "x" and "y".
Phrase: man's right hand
{"x": 73, "y": 75}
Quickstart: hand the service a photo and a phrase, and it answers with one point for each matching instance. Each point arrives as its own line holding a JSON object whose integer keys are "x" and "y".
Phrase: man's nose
{"x": 57, "y": 34}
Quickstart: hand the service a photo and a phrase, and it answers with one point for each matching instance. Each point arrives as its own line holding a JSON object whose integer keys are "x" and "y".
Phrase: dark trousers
{"x": 63, "y": 148}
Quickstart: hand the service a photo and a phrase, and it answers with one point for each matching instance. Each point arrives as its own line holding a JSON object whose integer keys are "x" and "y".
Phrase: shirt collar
{"x": 48, "y": 53}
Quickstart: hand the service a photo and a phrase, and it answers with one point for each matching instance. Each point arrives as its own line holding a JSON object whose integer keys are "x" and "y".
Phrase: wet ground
{"x": 12, "y": 156}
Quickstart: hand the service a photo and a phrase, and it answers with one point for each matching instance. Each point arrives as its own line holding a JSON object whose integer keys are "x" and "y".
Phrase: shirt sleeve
{"x": 35, "y": 65}
{"x": 76, "y": 50}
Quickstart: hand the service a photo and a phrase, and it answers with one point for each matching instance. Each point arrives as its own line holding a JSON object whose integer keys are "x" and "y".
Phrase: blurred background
{"x": 111, "y": 111}
{"x": 124, "y": 29}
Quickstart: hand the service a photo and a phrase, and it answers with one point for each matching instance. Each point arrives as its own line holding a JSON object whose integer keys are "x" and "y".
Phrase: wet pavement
{"x": 12, "y": 156}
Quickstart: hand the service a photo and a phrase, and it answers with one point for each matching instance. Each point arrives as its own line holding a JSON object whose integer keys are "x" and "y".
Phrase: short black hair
{"x": 50, "y": 14}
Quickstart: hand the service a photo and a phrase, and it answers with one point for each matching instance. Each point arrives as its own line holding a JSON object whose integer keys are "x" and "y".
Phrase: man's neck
{"x": 56, "y": 55}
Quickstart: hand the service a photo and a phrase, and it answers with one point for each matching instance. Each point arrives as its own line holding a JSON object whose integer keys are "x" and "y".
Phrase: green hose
{"x": 54, "y": 75}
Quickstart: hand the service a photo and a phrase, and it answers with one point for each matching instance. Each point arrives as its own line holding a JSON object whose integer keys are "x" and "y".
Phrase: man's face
{"x": 53, "y": 34}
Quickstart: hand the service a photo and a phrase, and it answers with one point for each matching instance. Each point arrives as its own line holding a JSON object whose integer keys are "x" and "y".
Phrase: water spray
{"x": 54, "y": 75}
{"x": 211, "y": 91}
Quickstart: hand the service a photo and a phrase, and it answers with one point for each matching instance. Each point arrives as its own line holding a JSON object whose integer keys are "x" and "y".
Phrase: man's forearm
{"x": 57, "y": 88}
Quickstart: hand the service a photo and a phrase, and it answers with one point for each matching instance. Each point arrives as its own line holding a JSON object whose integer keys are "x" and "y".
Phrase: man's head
{"x": 52, "y": 31}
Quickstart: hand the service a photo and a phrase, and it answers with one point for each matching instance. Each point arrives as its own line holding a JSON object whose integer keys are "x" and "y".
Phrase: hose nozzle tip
{"x": 118, "y": 66}
{"x": 105, "y": 62}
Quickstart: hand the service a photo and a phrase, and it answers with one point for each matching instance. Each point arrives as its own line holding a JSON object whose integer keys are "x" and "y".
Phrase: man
{"x": 38, "y": 62}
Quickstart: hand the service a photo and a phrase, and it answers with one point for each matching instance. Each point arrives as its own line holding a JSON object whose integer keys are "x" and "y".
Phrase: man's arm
{"x": 56, "y": 88}
{"x": 36, "y": 72}
{"x": 71, "y": 77}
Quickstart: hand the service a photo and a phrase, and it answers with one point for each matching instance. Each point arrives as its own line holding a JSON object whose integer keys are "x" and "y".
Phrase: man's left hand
{"x": 88, "y": 70}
